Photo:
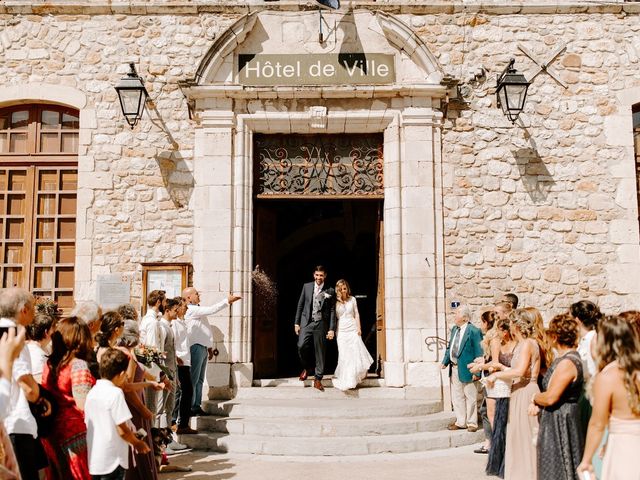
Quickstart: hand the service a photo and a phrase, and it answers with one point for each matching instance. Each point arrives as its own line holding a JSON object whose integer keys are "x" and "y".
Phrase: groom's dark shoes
{"x": 318, "y": 384}
{"x": 303, "y": 375}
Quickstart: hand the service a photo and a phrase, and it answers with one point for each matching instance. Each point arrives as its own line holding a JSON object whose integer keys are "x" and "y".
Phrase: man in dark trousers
{"x": 315, "y": 323}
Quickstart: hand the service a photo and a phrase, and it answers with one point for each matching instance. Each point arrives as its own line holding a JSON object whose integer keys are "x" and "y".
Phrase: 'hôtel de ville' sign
{"x": 316, "y": 69}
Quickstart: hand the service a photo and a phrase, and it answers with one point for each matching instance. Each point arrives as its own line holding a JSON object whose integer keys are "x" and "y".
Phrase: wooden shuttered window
{"x": 38, "y": 192}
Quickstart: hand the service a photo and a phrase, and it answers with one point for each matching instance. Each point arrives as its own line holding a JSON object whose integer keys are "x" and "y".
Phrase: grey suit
{"x": 316, "y": 315}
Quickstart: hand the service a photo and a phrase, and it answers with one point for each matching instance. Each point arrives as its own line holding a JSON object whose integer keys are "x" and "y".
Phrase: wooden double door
{"x": 295, "y": 231}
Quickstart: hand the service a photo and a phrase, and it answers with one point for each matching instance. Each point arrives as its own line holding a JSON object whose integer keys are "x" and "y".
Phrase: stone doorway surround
{"x": 407, "y": 112}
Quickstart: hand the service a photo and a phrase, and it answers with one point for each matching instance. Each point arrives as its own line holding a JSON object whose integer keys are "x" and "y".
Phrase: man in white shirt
{"x": 200, "y": 340}
{"x": 17, "y": 307}
{"x": 153, "y": 335}
{"x": 184, "y": 394}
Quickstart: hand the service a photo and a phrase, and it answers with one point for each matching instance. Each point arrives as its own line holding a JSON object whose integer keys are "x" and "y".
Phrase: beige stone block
{"x": 423, "y": 374}
{"x": 242, "y": 374}
{"x": 218, "y": 375}
{"x": 394, "y": 341}
{"x": 394, "y": 374}
{"x": 617, "y": 131}
{"x": 412, "y": 345}
{"x": 419, "y": 312}
{"x": 623, "y": 278}
{"x": 623, "y": 231}
{"x": 629, "y": 253}
{"x": 627, "y": 193}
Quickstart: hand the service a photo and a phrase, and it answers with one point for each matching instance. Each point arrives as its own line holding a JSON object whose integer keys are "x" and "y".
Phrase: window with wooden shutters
{"x": 38, "y": 189}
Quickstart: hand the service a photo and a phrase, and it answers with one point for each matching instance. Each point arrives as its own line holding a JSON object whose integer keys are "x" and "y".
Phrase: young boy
{"x": 108, "y": 421}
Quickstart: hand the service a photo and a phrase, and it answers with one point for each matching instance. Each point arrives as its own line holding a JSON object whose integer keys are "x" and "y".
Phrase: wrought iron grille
{"x": 345, "y": 165}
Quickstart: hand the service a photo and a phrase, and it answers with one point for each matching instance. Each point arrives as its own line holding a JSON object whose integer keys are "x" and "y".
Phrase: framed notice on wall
{"x": 170, "y": 277}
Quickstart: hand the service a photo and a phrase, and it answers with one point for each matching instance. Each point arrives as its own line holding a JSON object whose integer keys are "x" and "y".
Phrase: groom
{"x": 315, "y": 322}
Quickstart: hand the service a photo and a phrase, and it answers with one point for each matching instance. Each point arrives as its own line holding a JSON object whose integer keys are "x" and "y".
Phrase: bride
{"x": 354, "y": 359}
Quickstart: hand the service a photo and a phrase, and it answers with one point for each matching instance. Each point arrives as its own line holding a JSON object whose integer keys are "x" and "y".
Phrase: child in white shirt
{"x": 108, "y": 420}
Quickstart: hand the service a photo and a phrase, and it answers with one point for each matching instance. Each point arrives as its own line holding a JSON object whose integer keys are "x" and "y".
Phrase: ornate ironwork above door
{"x": 346, "y": 165}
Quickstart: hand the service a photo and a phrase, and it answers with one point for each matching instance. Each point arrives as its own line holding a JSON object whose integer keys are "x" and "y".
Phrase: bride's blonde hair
{"x": 339, "y": 283}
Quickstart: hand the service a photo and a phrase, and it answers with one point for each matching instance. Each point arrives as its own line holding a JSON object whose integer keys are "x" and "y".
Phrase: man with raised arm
{"x": 200, "y": 340}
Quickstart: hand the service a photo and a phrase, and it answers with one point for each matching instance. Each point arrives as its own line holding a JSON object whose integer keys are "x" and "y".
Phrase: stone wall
{"x": 545, "y": 208}
{"x": 135, "y": 187}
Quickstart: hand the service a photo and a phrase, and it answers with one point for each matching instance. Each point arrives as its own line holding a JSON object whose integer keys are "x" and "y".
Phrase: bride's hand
{"x": 359, "y": 332}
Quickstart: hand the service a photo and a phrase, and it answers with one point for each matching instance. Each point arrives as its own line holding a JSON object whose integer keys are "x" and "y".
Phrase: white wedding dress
{"x": 354, "y": 359}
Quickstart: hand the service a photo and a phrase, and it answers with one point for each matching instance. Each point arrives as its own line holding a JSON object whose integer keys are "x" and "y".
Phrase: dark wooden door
{"x": 265, "y": 301}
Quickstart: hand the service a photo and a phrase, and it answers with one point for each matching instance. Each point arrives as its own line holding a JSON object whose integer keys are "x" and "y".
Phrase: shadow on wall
{"x": 534, "y": 174}
{"x": 176, "y": 176}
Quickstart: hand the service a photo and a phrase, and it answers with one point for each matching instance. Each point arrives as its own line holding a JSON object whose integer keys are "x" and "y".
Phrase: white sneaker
{"x": 177, "y": 446}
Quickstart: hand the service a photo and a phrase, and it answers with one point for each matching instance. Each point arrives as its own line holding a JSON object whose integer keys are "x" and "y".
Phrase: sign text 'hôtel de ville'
{"x": 316, "y": 69}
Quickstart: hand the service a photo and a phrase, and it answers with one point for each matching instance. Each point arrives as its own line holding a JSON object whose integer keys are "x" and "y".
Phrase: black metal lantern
{"x": 132, "y": 95}
{"x": 511, "y": 91}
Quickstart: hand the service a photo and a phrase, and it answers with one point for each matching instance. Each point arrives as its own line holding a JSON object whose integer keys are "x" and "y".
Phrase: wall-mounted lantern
{"x": 132, "y": 95}
{"x": 511, "y": 91}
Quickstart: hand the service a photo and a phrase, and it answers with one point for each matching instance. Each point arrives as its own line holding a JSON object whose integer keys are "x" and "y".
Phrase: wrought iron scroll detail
{"x": 435, "y": 341}
{"x": 319, "y": 165}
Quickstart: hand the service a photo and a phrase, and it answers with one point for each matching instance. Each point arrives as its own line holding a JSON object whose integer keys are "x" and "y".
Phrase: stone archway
{"x": 406, "y": 111}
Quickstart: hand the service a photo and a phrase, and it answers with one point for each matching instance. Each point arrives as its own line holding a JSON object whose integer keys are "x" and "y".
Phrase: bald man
{"x": 200, "y": 340}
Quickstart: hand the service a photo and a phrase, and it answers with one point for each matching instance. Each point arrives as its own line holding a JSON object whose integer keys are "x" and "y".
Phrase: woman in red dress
{"x": 66, "y": 375}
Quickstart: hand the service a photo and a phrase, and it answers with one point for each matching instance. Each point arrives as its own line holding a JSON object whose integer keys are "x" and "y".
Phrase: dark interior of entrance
{"x": 292, "y": 237}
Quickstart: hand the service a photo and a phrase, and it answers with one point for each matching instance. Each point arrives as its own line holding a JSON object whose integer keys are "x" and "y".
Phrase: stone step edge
{"x": 336, "y": 420}
{"x": 357, "y": 438}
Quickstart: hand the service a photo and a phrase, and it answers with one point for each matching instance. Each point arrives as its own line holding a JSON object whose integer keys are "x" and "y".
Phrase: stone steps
{"x": 316, "y": 408}
{"x": 333, "y": 446}
{"x": 278, "y": 427}
{"x": 267, "y": 421}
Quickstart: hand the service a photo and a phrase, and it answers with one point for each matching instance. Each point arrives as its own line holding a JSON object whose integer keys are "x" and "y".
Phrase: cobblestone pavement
{"x": 452, "y": 464}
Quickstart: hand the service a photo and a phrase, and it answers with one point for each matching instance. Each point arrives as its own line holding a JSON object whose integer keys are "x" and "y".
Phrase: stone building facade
{"x": 473, "y": 205}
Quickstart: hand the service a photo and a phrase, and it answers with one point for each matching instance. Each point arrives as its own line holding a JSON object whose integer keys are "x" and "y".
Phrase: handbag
{"x": 43, "y": 413}
{"x": 500, "y": 389}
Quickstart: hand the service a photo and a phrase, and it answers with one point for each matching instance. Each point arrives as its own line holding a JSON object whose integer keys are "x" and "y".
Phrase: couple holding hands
{"x": 321, "y": 315}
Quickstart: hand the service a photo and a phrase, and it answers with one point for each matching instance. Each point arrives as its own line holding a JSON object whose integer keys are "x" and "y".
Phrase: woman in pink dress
{"x": 66, "y": 375}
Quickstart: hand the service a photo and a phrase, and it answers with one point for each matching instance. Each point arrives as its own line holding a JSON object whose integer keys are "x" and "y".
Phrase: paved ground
{"x": 452, "y": 464}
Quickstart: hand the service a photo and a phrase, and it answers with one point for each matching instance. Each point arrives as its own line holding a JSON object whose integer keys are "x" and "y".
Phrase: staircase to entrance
{"x": 289, "y": 417}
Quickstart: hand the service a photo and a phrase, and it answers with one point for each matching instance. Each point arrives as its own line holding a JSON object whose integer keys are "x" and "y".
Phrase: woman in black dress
{"x": 561, "y": 436}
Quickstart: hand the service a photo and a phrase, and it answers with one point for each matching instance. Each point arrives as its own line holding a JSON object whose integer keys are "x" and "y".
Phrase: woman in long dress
{"x": 561, "y": 436}
{"x": 66, "y": 375}
{"x": 616, "y": 401}
{"x": 520, "y": 454}
{"x": 354, "y": 359}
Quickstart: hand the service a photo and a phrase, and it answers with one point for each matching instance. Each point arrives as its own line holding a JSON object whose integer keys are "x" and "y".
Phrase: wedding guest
{"x": 11, "y": 344}
{"x": 462, "y": 350}
{"x": 91, "y": 313}
{"x": 560, "y": 436}
{"x": 107, "y": 419}
{"x": 167, "y": 399}
{"x": 38, "y": 340}
{"x": 111, "y": 328}
{"x": 520, "y": 452}
{"x": 540, "y": 336}
{"x": 616, "y": 401}
{"x": 501, "y": 391}
{"x": 184, "y": 394}
{"x": 67, "y": 377}
{"x": 153, "y": 335}
{"x": 491, "y": 348}
{"x": 200, "y": 340}
{"x": 128, "y": 312}
{"x": 17, "y": 308}
{"x": 143, "y": 466}
{"x": 587, "y": 315}
{"x": 512, "y": 299}
{"x": 503, "y": 309}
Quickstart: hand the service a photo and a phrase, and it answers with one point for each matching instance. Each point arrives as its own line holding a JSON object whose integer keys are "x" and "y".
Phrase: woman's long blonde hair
{"x": 339, "y": 283}
{"x": 540, "y": 334}
{"x": 491, "y": 319}
{"x": 617, "y": 341}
